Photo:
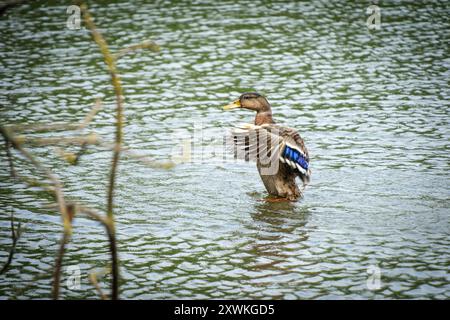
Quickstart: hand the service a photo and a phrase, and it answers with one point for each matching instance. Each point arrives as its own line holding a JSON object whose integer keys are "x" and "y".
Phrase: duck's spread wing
{"x": 271, "y": 142}
{"x": 251, "y": 143}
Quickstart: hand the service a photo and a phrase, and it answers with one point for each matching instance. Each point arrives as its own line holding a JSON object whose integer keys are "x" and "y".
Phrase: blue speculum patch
{"x": 295, "y": 156}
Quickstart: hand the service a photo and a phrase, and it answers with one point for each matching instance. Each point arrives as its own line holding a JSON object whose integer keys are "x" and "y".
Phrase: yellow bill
{"x": 235, "y": 104}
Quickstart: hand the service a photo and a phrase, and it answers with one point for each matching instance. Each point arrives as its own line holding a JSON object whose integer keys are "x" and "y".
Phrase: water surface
{"x": 372, "y": 106}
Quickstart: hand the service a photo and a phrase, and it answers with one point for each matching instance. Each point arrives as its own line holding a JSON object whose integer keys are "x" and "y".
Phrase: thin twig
{"x": 152, "y": 46}
{"x": 71, "y": 211}
{"x": 56, "y": 183}
{"x": 91, "y": 138}
{"x": 59, "y": 198}
{"x": 42, "y": 127}
{"x": 91, "y": 213}
{"x": 93, "y": 279}
{"x": 109, "y": 227}
{"x": 36, "y": 183}
{"x": 80, "y": 153}
{"x": 15, "y": 235}
{"x": 58, "y": 265}
{"x": 10, "y": 160}
{"x": 116, "y": 82}
{"x": 97, "y": 107}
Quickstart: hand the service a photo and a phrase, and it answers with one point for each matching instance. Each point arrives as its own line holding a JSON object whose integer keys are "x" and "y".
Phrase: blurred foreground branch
{"x": 20, "y": 136}
{"x": 15, "y": 235}
{"x": 117, "y": 85}
{"x": 43, "y": 127}
{"x": 150, "y": 45}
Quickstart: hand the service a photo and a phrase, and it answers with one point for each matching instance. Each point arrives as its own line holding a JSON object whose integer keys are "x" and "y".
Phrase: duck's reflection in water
{"x": 280, "y": 236}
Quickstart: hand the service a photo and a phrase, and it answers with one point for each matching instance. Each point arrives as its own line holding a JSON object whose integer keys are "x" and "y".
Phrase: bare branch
{"x": 42, "y": 127}
{"x": 58, "y": 264}
{"x": 15, "y": 235}
{"x": 152, "y": 46}
{"x": 10, "y": 159}
{"x": 97, "y": 107}
{"x": 116, "y": 83}
{"x": 91, "y": 138}
{"x": 59, "y": 198}
{"x": 56, "y": 183}
{"x": 93, "y": 279}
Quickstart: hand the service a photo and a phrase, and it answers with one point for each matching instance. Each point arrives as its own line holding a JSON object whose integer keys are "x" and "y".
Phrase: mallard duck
{"x": 279, "y": 152}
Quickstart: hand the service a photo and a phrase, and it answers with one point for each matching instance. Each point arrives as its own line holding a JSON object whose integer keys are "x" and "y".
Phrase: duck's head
{"x": 256, "y": 102}
{"x": 250, "y": 100}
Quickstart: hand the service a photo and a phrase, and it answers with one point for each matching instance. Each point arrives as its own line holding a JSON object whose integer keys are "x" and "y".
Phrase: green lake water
{"x": 372, "y": 105}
